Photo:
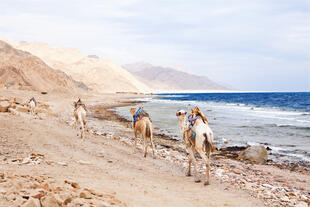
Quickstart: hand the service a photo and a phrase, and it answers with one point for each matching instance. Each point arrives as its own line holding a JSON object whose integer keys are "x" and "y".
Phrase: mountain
{"x": 22, "y": 70}
{"x": 169, "y": 79}
{"x": 97, "y": 73}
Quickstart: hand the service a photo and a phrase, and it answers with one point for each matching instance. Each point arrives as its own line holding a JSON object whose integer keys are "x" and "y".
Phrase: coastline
{"x": 231, "y": 151}
{"x": 273, "y": 182}
{"x": 104, "y": 164}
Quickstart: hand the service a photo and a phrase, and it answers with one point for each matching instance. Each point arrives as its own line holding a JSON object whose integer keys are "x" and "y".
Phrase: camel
{"x": 202, "y": 141}
{"x": 144, "y": 127}
{"x": 32, "y": 103}
{"x": 79, "y": 115}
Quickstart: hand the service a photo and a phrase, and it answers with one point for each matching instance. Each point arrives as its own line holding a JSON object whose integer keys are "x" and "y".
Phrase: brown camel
{"x": 202, "y": 142}
{"x": 143, "y": 126}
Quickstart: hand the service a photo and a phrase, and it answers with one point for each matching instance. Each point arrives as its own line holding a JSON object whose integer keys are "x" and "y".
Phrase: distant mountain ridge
{"x": 22, "y": 70}
{"x": 99, "y": 74}
{"x": 167, "y": 78}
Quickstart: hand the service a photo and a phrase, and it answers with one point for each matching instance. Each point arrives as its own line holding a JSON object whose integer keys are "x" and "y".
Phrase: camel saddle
{"x": 139, "y": 114}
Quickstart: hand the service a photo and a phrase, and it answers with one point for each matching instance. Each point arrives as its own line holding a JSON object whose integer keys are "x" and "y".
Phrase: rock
{"x": 49, "y": 201}
{"x": 302, "y": 204}
{"x": 254, "y": 154}
{"x": 13, "y": 111}
{"x": 17, "y": 100}
{"x": 85, "y": 194}
{"x": 64, "y": 198}
{"x": 75, "y": 185}
{"x": 22, "y": 109}
{"x": 32, "y": 203}
{"x": 26, "y": 160}
{"x": 303, "y": 197}
{"x": 4, "y": 106}
{"x": 78, "y": 202}
{"x": 82, "y": 162}
{"x": 62, "y": 163}
{"x": 285, "y": 199}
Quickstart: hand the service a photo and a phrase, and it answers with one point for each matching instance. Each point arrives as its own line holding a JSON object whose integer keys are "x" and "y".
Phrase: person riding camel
{"x": 78, "y": 103}
{"x": 199, "y": 113}
{"x": 139, "y": 114}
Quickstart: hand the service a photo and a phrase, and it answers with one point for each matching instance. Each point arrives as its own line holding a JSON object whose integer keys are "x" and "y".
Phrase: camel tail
{"x": 148, "y": 129}
{"x": 208, "y": 143}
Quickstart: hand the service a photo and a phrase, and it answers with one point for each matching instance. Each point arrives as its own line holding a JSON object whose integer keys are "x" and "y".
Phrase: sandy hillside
{"x": 100, "y": 74}
{"x": 20, "y": 69}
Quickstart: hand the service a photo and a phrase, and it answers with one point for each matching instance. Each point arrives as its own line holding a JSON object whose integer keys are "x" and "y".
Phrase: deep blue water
{"x": 299, "y": 101}
{"x": 278, "y": 120}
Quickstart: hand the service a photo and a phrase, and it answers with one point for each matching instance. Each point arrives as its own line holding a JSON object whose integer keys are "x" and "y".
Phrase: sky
{"x": 261, "y": 45}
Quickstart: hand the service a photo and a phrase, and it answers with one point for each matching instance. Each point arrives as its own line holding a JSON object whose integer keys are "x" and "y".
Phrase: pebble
{"x": 32, "y": 203}
{"x": 302, "y": 204}
{"x": 85, "y": 194}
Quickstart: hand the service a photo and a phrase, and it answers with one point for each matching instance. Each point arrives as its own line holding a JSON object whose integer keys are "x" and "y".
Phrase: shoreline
{"x": 103, "y": 163}
{"x": 273, "y": 182}
{"x": 225, "y": 152}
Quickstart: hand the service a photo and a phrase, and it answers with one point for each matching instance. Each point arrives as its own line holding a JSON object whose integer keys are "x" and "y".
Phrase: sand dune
{"x": 99, "y": 74}
{"x": 22, "y": 70}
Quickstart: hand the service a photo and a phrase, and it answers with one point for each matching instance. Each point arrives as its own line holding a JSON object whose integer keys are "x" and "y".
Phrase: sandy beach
{"x": 42, "y": 157}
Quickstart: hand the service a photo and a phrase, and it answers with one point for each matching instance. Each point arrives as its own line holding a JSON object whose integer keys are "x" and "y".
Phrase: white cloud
{"x": 243, "y": 43}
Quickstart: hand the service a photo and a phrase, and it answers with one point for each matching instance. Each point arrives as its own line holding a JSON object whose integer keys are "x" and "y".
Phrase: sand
{"x": 104, "y": 161}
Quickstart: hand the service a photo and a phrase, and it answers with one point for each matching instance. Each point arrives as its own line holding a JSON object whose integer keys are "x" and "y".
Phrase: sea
{"x": 280, "y": 120}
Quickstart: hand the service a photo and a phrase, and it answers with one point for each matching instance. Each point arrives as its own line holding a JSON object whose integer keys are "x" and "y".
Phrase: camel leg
{"x": 82, "y": 128}
{"x": 190, "y": 159}
{"x": 135, "y": 144}
{"x": 145, "y": 142}
{"x": 192, "y": 155}
{"x": 152, "y": 144}
{"x": 207, "y": 162}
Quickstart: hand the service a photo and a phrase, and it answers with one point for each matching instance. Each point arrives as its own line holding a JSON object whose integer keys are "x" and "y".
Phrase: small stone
{"x": 303, "y": 197}
{"x": 82, "y": 162}
{"x": 302, "y": 204}
{"x": 75, "y": 185}
{"x": 285, "y": 199}
{"x": 85, "y": 194}
{"x": 49, "y": 201}
{"x": 32, "y": 203}
{"x": 4, "y": 106}
{"x": 62, "y": 163}
{"x": 26, "y": 160}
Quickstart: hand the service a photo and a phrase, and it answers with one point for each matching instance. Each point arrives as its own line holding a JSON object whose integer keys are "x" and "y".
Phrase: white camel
{"x": 202, "y": 141}
{"x": 32, "y": 103}
{"x": 80, "y": 116}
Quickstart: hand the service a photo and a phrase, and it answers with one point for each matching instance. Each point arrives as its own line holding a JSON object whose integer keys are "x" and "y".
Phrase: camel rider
{"x": 191, "y": 121}
{"x": 197, "y": 112}
{"x": 191, "y": 118}
{"x": 79, "y": 102}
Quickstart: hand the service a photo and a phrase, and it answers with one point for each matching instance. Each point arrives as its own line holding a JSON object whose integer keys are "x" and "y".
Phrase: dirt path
{"x": 107, "y": 165}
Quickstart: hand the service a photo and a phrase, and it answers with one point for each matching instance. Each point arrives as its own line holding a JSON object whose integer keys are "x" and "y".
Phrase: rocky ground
{"x": 43, "y": 162}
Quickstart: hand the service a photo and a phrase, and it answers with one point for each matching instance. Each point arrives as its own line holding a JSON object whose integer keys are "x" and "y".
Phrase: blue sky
{"x": 248, "y": 45}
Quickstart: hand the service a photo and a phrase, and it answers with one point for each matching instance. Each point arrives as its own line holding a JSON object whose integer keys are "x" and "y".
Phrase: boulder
{"x": 32, "y": 203}
{"x": 4, "y": 106}
{"x": 49, "y": 201}
{"x": 254, "y": 154}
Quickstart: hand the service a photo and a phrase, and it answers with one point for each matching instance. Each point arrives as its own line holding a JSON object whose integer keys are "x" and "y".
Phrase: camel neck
{"x": 182, "y": 124}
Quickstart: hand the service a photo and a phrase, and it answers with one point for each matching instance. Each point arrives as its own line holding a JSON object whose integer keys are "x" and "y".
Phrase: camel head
{"x": 132, "y": 111}
{"x": 181, "y": 114}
